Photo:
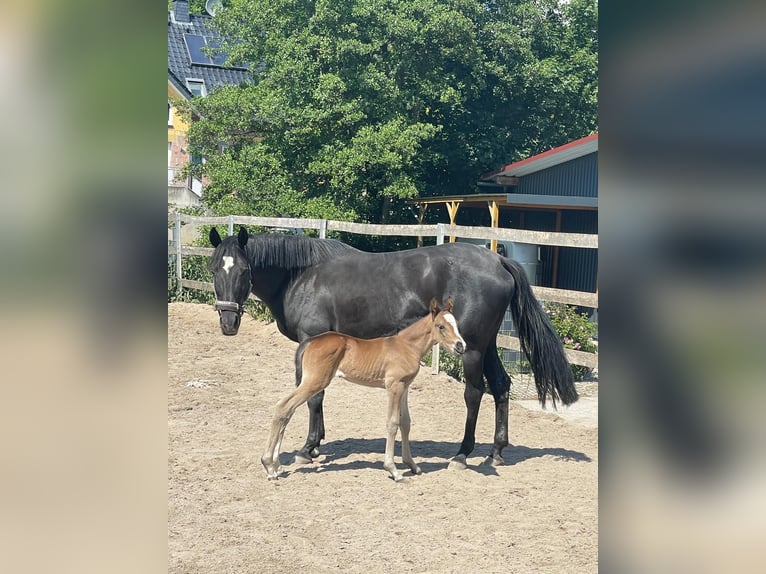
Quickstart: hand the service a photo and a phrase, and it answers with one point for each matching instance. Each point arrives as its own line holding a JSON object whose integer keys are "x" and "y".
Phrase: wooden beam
{"x": 494, "y": 214}
{"x": 422, "y": 207}
{"x": 555, "y": 278}
{"x": 581, "y": 298}
{"x": 452, "y": 208}
{"x": 582, "y": 358}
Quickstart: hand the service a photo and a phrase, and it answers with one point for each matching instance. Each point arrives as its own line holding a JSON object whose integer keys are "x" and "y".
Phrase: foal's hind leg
{"x": 283, "y": 413}
{"x": 395, "y": 390}
{"x": 404, "y": 425}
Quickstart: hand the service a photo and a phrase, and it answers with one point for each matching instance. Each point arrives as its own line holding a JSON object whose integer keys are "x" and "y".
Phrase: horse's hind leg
{"x": 499, "y": 384}
{"x": 395, "y": 390}
{"x": 404, "y": 425}
{"x": 474, "y": 390}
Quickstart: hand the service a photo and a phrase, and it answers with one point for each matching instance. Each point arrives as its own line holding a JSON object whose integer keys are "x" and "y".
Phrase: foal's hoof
{"x": 314, "y": 452}
{"x": 457, "y": 463}
{"x": 271, "y": 477}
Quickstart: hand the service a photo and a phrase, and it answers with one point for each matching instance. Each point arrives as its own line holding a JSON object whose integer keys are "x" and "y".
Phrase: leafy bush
{"x": 575, "y": 330}
{"x": 448, "y": 363}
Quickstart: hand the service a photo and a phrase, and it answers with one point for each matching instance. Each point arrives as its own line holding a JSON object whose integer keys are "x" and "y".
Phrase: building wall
{"x": 578, "y": 177}
{"x": 177, "y": 130}
{"x": 577, "y": 268}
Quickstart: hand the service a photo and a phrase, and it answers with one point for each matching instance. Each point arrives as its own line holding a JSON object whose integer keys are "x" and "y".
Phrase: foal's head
{"x": 231, "y": 278}
{"x": 445, "y": 331}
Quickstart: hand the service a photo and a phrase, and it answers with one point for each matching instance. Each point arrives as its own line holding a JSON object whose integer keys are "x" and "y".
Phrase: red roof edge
{"x": 549, "y": 153}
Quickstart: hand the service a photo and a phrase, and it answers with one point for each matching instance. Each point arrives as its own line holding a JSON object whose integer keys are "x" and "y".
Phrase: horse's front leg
{"x": 474, "y": 390}
{"x": 404, "y": 425}
{"x": 310, "y": 450}
{"x": 395, "y": 390}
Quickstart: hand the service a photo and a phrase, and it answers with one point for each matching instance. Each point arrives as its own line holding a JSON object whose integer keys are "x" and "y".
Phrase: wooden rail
{"x": 439, "y": 230}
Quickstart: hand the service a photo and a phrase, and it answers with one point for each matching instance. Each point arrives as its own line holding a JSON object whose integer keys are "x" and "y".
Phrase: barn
{"x": 556, "y": 190}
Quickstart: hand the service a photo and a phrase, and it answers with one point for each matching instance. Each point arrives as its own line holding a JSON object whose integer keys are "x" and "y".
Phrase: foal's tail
{"x": 540, "y": 342}
{"x": 299, "y": 362}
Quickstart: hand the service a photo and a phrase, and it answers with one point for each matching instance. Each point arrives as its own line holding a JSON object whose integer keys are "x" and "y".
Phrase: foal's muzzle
{"x": 230, "y": 313}
{"x": 459, "y": 348}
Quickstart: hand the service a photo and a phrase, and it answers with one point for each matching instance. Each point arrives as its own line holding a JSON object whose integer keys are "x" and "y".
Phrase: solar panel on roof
{"x": 194, "y": 45}
{"x": 219, "y": 59}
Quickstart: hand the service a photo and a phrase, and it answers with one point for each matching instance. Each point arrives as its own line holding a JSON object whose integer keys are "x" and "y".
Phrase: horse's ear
{"x": 434, "y": 307}
{"x": 215, "y": 239}
{"x": 448, "y": 306}
{"x": 242, "y": 237}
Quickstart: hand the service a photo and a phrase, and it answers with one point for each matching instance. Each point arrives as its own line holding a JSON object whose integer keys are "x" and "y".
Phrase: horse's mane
{"x": 292, "y": 251}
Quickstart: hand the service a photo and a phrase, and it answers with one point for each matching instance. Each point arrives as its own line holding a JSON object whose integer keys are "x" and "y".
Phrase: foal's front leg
{"x": 404, "y": 425}
{"x": 395, "y": 390}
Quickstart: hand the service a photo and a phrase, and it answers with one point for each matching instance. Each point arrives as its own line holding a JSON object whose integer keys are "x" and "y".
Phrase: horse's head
{"x": 231, "y": 278}
{"x": 445, "y": 331}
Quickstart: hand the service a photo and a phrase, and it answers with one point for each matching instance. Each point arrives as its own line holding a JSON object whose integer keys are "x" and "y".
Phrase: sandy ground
{"x": 537, "y": 513}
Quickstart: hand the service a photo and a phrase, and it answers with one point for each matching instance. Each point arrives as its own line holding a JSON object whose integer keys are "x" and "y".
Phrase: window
{"x": 196, "y": 87}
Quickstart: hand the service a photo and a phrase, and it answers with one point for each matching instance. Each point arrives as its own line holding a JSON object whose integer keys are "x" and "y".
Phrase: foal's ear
{"x": 215, "y": 239}
{"x": 242, "y": 237}
{"x": 434, "y": 307}
{"x": 448, "y": 306}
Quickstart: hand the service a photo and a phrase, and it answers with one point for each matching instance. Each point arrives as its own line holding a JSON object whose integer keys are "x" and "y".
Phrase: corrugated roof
{"x": 179, "y": 62}
{"x": 550, "y": 158}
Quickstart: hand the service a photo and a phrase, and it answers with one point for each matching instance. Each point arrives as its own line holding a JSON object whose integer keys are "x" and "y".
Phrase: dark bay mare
{"x": 316, "y": 285}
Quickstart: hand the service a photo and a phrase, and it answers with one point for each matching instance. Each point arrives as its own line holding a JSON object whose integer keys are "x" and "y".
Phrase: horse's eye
{"x": 441, "y": 327}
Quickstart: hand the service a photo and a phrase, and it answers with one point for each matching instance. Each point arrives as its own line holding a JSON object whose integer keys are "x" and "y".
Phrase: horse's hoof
{"x": 417, "y": 470}
{"x": 272, "y": 476}
{"x": 397, "y": 477}
{"x": 314, "y": 452}
{"x": 301, "y": 458}
{"x": 496, "y": 460}
{"x": 457, "y": 463}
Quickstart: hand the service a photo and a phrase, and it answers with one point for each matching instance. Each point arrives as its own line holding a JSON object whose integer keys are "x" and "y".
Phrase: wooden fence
{"x": 439, "y": 230}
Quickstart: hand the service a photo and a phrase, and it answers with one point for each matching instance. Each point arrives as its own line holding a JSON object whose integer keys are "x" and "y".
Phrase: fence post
{"x": 231, "y": 224}
{"x": 177, "y": 239}
{"x": 322, "y": 228}
{"x": 435, "y": 350}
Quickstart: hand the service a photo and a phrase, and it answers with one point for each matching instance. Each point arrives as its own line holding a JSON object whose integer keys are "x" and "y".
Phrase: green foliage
{"x": 448, "y": 363}
{"x": 358, "y": 105}
{"x": 575, "y": 330}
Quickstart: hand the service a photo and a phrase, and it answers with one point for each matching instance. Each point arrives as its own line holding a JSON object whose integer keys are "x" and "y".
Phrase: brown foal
{"x": 386, "y": 362}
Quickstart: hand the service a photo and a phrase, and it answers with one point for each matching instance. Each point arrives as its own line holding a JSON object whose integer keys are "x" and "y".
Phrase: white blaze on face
{"x": 450, "y": 318}
{"x": 228, "y": 262}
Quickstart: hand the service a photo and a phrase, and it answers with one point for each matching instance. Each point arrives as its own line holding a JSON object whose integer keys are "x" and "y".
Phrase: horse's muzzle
{"x": 229, "y": 323}
{"x": 459, "y": 348}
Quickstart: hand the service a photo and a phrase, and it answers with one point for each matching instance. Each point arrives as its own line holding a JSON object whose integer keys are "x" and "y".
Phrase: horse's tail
{"x": 540, "y": 342}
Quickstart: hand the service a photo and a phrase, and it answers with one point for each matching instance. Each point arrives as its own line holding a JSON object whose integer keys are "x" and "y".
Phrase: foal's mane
{"x": 292, "y": 251}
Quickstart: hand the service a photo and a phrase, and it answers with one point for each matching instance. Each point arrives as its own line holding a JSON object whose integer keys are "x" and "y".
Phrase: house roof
{"x": 179, "y": 85}
{"x": 550, "y": 158}
{"x": 180, "y": 66}
{"x": 513, "y": 200}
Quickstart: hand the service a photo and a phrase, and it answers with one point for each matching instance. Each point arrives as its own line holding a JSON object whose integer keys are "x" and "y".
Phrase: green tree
{"x": 357, "y": 105}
